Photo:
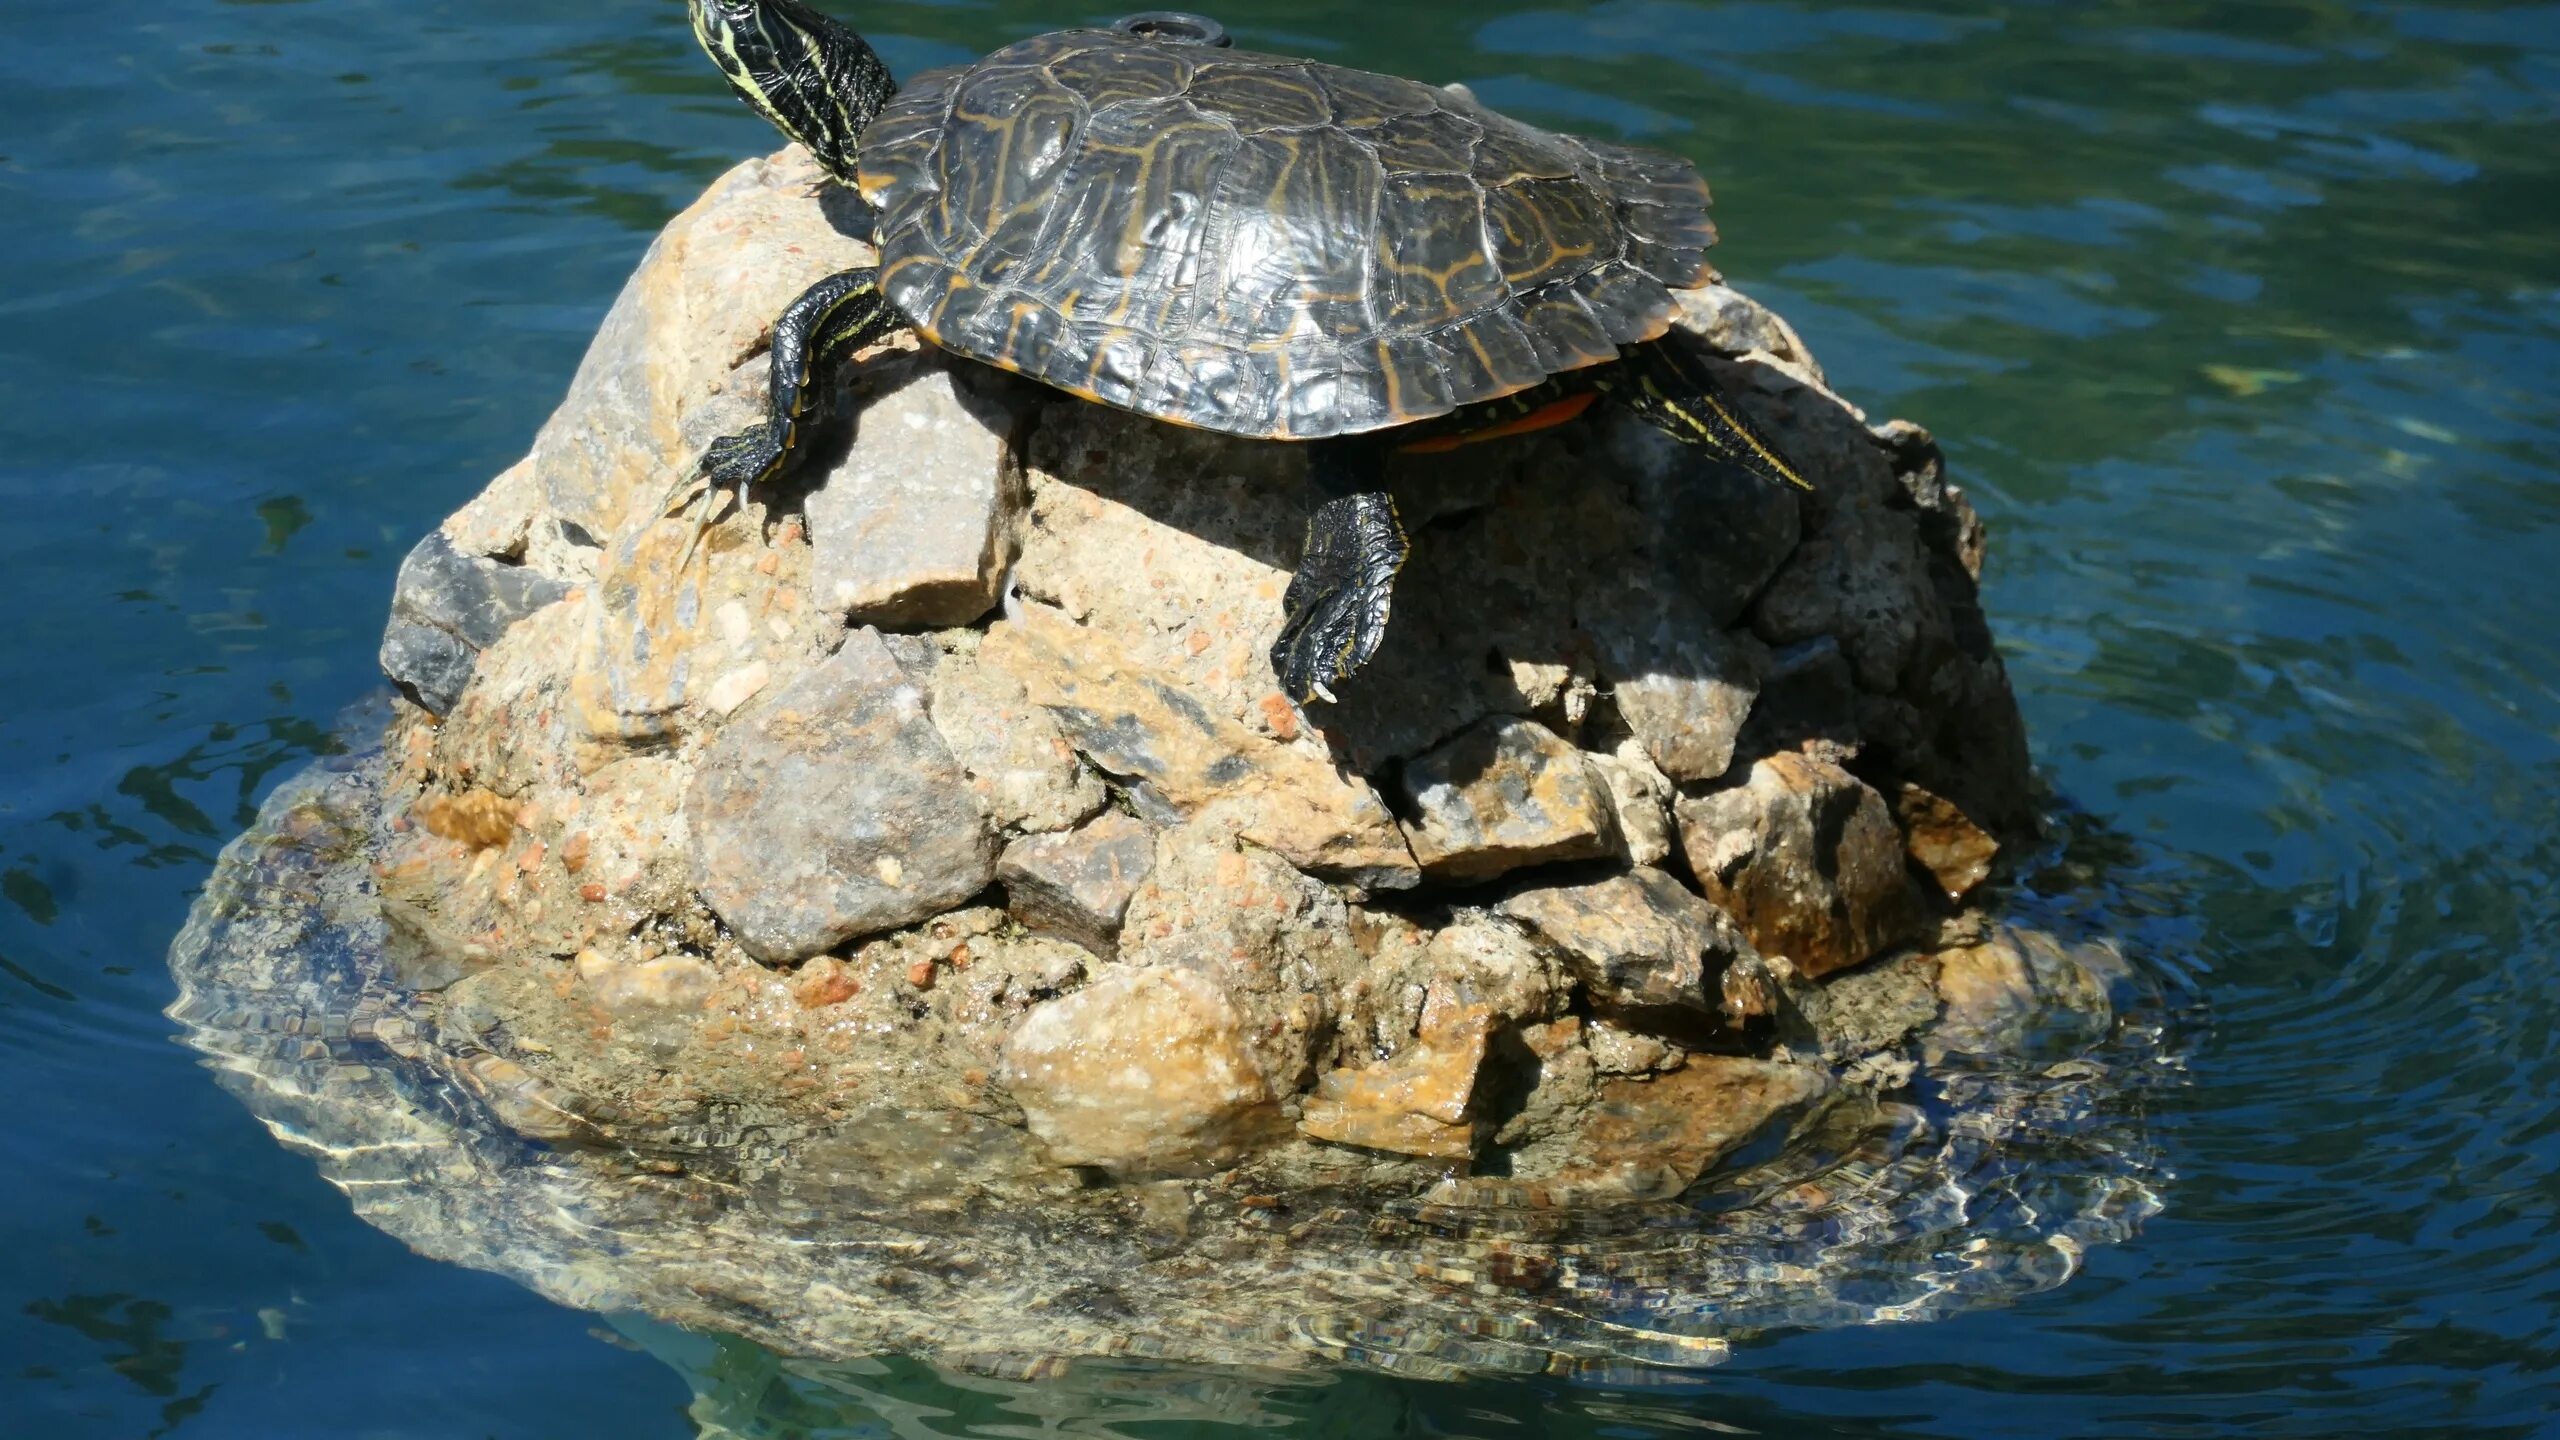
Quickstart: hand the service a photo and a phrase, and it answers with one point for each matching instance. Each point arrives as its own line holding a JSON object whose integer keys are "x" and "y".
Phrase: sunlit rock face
{"x": 934, "y": 850}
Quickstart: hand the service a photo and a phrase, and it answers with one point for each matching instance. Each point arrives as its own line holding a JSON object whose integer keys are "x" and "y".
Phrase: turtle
{"x": 1272, "y": 247}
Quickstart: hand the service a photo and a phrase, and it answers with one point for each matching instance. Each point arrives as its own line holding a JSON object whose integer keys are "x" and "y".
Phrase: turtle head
{"x": 811, "y": 76}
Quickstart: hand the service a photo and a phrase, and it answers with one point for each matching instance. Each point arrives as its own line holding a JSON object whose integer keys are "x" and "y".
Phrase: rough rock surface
{"x": 1805, "y": 857}
{"x": 446, "y": 608}
{"x": 1079, "y": 884}
{"x": 915, "y": 528}
{"x": 1640, "y": 773}
{"x": 1507, "y": 793}
{"x": 835, "y": 811}
{"x": 1641, "y": 939}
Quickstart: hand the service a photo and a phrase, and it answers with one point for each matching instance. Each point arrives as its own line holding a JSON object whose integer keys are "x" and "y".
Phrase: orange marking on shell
{"x": 1545, "y": 417}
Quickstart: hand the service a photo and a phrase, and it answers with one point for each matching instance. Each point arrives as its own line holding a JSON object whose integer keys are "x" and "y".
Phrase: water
{"x": 2241, "y": 324}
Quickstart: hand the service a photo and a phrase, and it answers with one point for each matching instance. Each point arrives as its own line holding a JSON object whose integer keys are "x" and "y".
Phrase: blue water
{"x": 2241, "y": 323}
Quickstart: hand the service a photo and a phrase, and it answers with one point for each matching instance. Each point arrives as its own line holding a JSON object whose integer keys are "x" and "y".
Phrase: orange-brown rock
{"x": 1806, "y": 859}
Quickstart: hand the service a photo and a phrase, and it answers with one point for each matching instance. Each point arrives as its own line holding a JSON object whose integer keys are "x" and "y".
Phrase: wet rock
{"x": 1416, "y": 1101}
{"x": 1806, "y": 859}
{"x": 1505, "y": 793}
{"x": 1637, "y": 940}
{"x": 1616, "y": 1050}
{"x": 2019, "y": 989}
{"x": 447, "y": 607}
{"x": 1863, "y": 1012}
{"x": 1954, "y": 850}
{"x": 1078, "y": 885}
{"x": 835, "y": 811}
{"x": 1141, "y": 724}
{"x": 1019, "y": 763}
{"x": 915, "y": 527}
{"x": 1479, "y": 962}
{"x": 1143, "y": 1072}
{"x": 1650, "y": 1139}
{"x": 1553, "y": 1076}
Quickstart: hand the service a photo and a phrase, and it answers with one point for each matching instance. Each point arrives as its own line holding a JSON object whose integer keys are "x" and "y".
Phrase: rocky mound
{"x": 938, "y": 838}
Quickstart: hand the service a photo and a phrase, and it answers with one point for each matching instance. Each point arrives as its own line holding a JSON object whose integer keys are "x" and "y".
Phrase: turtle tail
{"x": 816, "y": 80}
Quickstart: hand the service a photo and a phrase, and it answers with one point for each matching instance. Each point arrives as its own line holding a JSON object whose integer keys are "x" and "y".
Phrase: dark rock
{"x": 1683, "y": 685}
{"x": 446, "y": 608}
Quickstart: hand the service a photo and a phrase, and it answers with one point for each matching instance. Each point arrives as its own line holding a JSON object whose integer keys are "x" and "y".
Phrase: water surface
{"x": 2241, "y": 324}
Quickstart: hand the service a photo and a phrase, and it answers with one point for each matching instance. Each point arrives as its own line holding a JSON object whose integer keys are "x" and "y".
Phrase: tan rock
{"x": 1079, "y": 884}
{"x": 1687, "y": 1120}
{"x": 915, "y": 527}
{"x": 701, "y": 302}
{"x": 1414, "y": 1102}
{"x": 1143, "y": 1072}
{"x": 1639, "y": 940}
{"x": 654, "y": 648}
{"x": 1132, "y": 721}
{"x": 1641, "y": 796}
{"x": 1950, "y": 847}
{"x": 1806, "y": 859}
{"x": 1476, "y": 961}
{"x": 1504, "y": 794}
{"x": 1018, "y": 761}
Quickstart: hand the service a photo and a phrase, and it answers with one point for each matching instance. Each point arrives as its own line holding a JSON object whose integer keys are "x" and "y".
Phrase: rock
{"x": 447, "y": 607}
{"x": 1950, "y": 847}
{"x": 1616, "y": 1050}
{"x": 1553, "y": 1076}
{"x": 1143, "y": 1072}
{"x": 915, "y": 527}
{"x": 702, "y": 301}
{"x": 1647, "y": 1140}
{"x": 1805, "y": 857}
{"x": 1684, "y": 1122}
{"x": 1413, "y": 1103}
{"x": 1713, "y": 533}
{"x": 1078, "y": 885}
{"x": 1638, "y": 940}
{"x": 1276, "y": 943}
{"x": 1019, "y": 763}
{"x": 1505, "y": 793}
{"x": 835, "y": 811}
{"x": 1141, "y": 724}
{"x": 1641, "y": 797}
{"x": 1739, "y": 325}
{"x": 1683, "y": 685}
{"x": 663, "y": 647}
{"x": 1479, "y": 962}
{"x": 1807, "y": 697}
{"x": 1851, "y": 1016}
{"x": 1862, "y": 579}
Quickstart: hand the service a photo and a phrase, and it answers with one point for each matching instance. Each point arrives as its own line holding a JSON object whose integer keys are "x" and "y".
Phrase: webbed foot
{"x": 1338, "y": 601}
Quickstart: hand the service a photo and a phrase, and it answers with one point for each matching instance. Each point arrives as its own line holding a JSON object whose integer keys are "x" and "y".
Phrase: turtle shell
{"x": 1264, "y": 245}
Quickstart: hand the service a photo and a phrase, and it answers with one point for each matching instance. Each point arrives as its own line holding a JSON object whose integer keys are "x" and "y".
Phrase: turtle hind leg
{"x": 1672, "y": 388}
{"x": 1338, "y": 601}
{"x": 814, "y": 337}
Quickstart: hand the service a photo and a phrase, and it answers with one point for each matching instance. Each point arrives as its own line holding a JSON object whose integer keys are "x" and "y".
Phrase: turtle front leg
{"x": 1338, "y": 601}
{"x": 1671, "y": 388}
{"x": 812, "y": 340}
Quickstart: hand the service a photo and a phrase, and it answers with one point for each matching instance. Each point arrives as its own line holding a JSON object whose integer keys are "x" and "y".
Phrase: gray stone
{"x": 1806, "y": 858}
{"x": 1638, "y": 940}
{"x": 915, "y": 528}
{"x": 447, "y": 607}
{"x": 835, "y": 811}
{"x": 1642, "y": 795}
{"x": 1715, "y": 533}
{"x": 1078, "y": 885}
{"x": 1684, "y": 686}
{"x": 1808, "y": 695}
{"x": 1019, "y": 763}
{"x": 1505, "y": 793}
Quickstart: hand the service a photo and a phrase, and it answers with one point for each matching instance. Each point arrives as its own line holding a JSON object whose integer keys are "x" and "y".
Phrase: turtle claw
{"x": 732, "y": 463}
{"x": 1338, "y": 601}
